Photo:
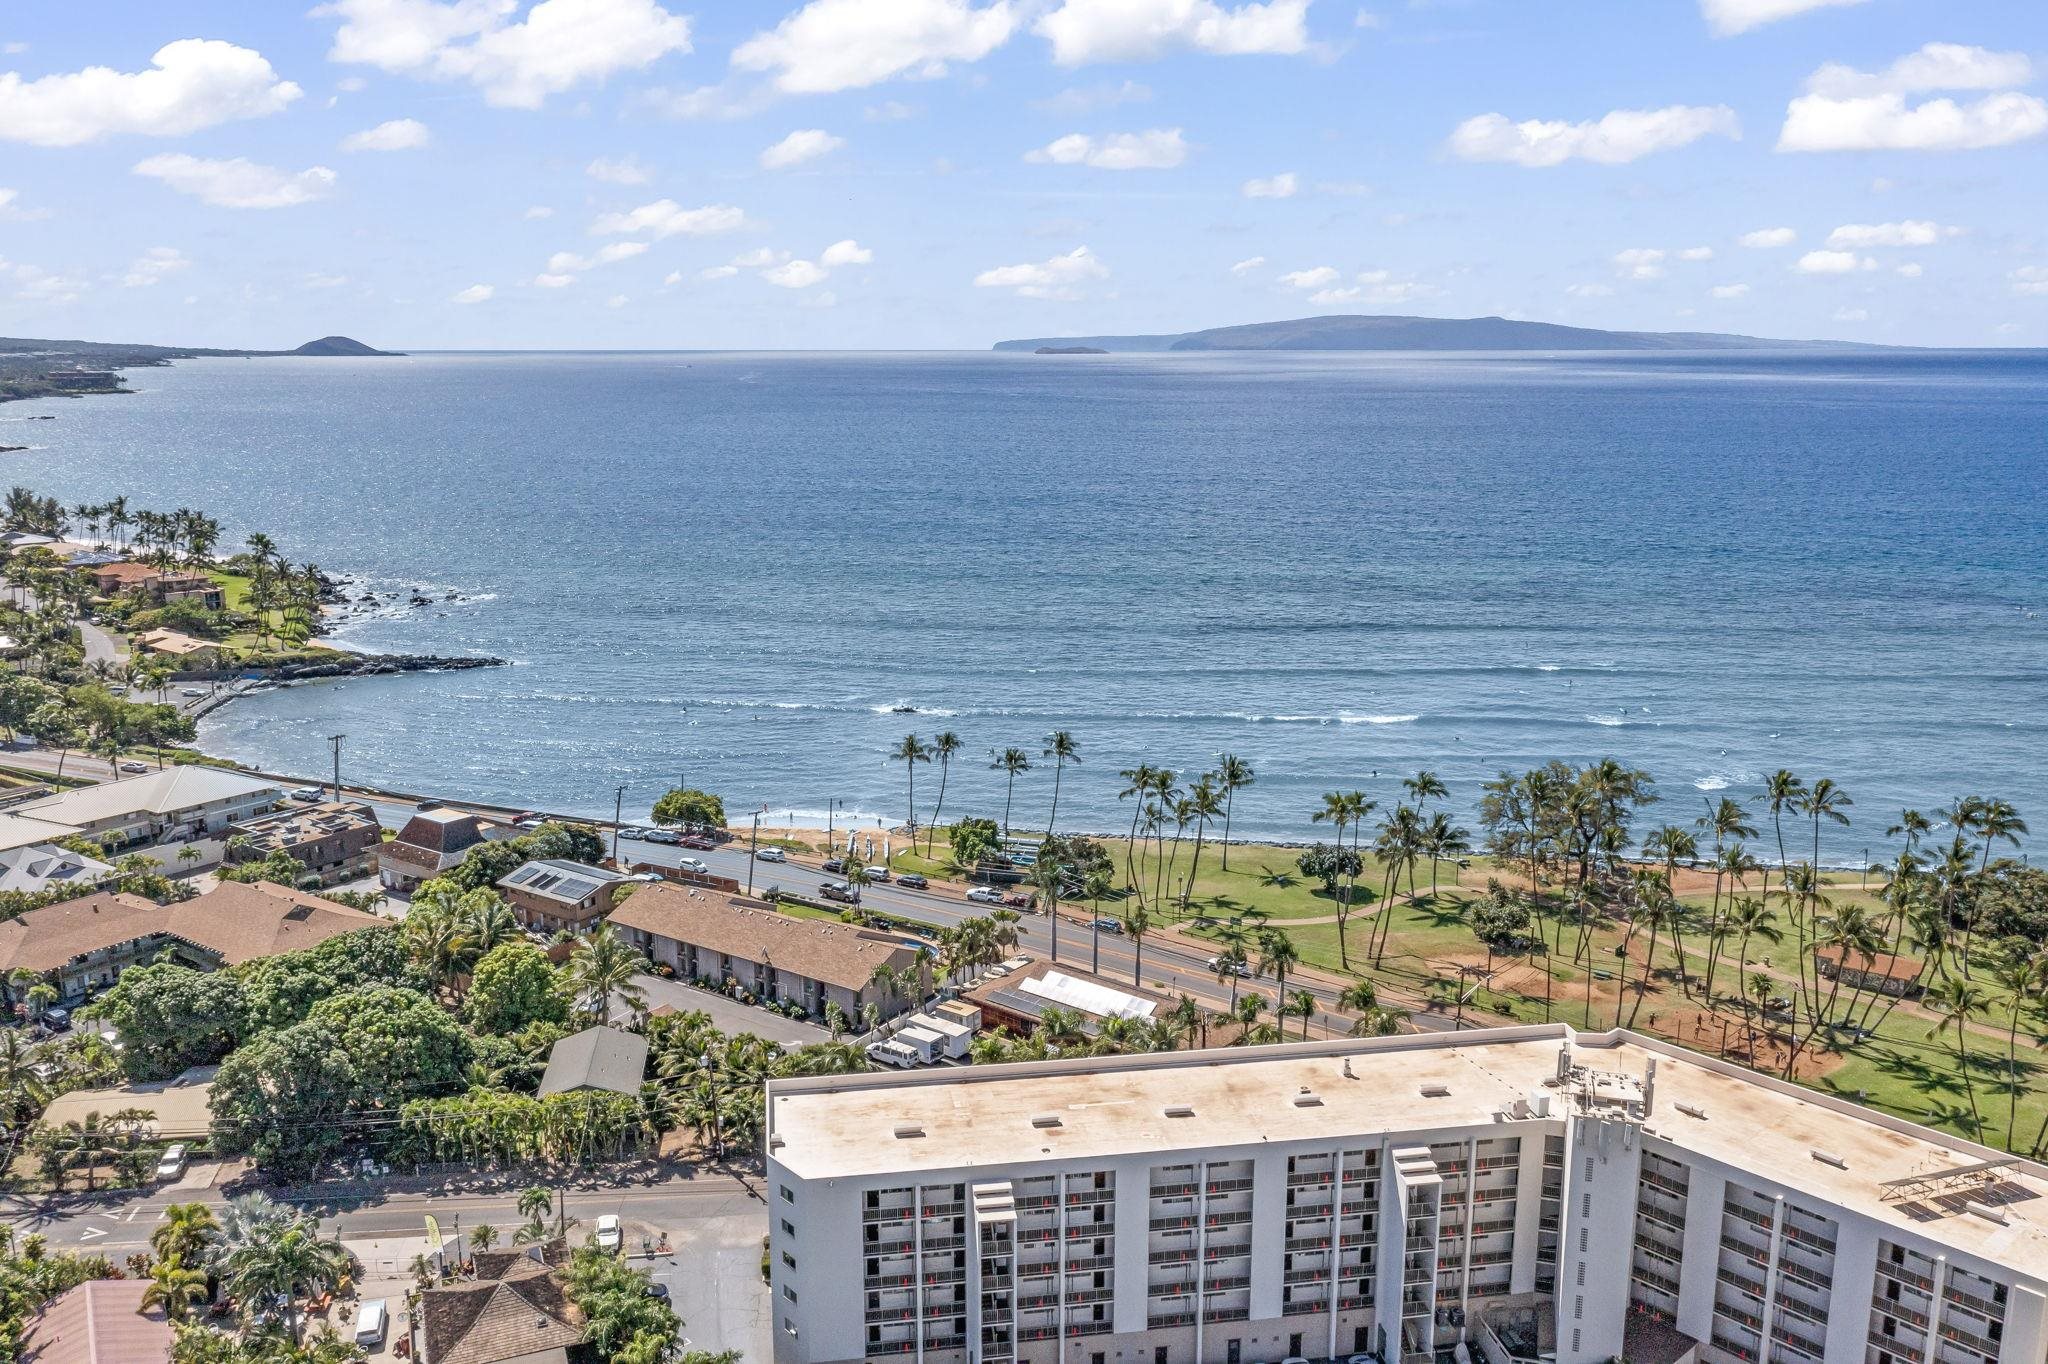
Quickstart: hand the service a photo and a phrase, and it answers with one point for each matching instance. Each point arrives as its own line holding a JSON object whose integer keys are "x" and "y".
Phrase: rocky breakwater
{"x": 378, "y": 665}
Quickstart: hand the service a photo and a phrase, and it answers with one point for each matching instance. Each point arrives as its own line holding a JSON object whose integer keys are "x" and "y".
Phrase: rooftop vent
{"x": 1436, "y": 1091}
{"x": 1047, "y": 1120}
{"x": 1830, "y": 1158}
{"x": 1308, "y": 1098}
{"x": 906, "y": 1130}
{"x": 1179, "y": 1110}
{"x": 1985, "y": 1211}
{"x": 777, "y": 1142}
{"x": 1693, "y": 1111}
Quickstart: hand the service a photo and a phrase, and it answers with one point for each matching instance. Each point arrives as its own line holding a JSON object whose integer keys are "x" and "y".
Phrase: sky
{"x": 930, "y": 174}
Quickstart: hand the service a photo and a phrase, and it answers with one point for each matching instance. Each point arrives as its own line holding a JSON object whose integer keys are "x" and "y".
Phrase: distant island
{"x": 38, "y": 368}
{"x": 1390, "y": 333}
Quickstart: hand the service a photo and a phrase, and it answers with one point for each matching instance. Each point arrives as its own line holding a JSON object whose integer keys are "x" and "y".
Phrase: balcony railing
{"x": 1811, "y": 1348}
{"x": 1804, "y": 1277}
{"x": 882, "y": 1349}
{"x": 1180, "y": 1288}
{"x": 1750, "y": 1286}
{"x": 1171, "y": 1257}
{"x": 1230, "y": 1314}
{"x": 1948, "y": 1330}
{"x": 1312, "y": 1180}
{"x": 1088, "y": 1328}
{"x": 1183, "y": 1222}
{"x": 1226, "y": 1283}
{"x": 1306, "y": 1276}
{"x": 1166, "y": 1319}
{"x": 1906, "y": 1276}
{"x": 1658, "y": 1181}
{"x": 1309, "y": 1308}
{"x": 1227, "y": 1219}
{"x": 886, "y": 1314}
{"x": 1308, "y": 1243}
{"x": 1178, "y": 1189}
{"x": 1224, "y": 1186}
{"x": 873, "y": 1215}
{"x": 1087, "y": 1197}
{"x": 1662, "y": 1282}
{"x": 1983, "y": 1307}
{"x": 1754, "y": 1218}
{"x": 1746, "y": 1251}
{"x": 1912, "y": 1316}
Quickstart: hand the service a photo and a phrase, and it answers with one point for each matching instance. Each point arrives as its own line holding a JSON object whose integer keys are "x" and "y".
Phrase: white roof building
{"x": 40, "y": 866}
{"x": 26, "y": 831}
{"x": 173, "y": 802}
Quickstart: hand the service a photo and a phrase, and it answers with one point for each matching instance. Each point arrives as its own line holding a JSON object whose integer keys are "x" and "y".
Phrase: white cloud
{"x": 1621, "y": 136}
{"x": 616, "y": 301}
{"x": 1640, "y": 262}
{"x": 475, "y": 293}
{"x": 1084, "y": 31}
{"x": 796, "y": 274}
{"x": 569, "y": 263}
{"x": 1844, "y": 109}
{"x": 1739, "y": 16}
{"x": 10, "y": 210}
{"x": 537, "y": 212}
{"x": 667, "y": 218}
{"x": 758, "y": 257}
{"x": 1911, "y": 270}
{"x": 37, "y": 285}
{"x": 1765, "y": 238}
{"x": 394, "y": 135}
{"x": 558, "y": 45}
{"x": 193, "y": 83}
{"x": 805, "y": 144}
{"x": 1060, "y": 278}
{"x": 2031, "y": 280}
{"x": 1315, "y": 277}
{"x": 833, "y": 45}
{"x": 321, "y": 280}
{"x": 1834, "y": 263}
{"x": 1852, "y": 315}
{"x": 1247, "y": 265}
{"x": 1155, "y": 149}
{"x": 848, "y": 252}
{"x": 1912, "y": 232}
{"x": 553, "y": 281}
{"x": 718, "y": 272}
{"x": 1376, "y": 287}
{"x": 889, "y": 111}
{"x": 1696, "y": 253}
{"x": 1589, "y": 290}
{"x": 1090, "y": 99}
{"x": 1729, "y": 291}
{"x": 153, "y": 265}
{"x": 625, "y": 170}
{"x": 1281, "y": 186}
{"x": 238, "y": 183}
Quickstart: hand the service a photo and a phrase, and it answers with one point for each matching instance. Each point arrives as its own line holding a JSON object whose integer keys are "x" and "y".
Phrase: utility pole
{"x": 618, "y": 812}
{"x": 753, "y": 846}
{"x": 831, "y": 808}
{"x": 334, "y": 741}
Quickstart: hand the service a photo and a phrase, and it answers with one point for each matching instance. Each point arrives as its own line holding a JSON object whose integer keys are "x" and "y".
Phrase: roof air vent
{"x": 1179, "y": 1110}
{"x": 906, "y": 1130}
{"x": 1308, "y": 1099}
{"x": 1046, "y": 1120}
{"x": 1985, "y": 1211}
{"x": 1693, "y": 1111}
{"x": 1436, "y": 1091}
{"x": 1830, "y": 1158}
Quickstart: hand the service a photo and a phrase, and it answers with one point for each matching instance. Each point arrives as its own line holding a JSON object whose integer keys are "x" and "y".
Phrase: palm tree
{"x": 185, "y": 1233}
{"x": 483, "y": 1236}
{"x": 1444, "y": 841}
{"x": 910, "y": 752}
{"x": 1137, "y": 785}
{"x": 1061, "y": 748}
{"x": 1303, "y": 1004}
{"x": 1671, "y": 845}
{"x": 1824, "y": 801}
{"x": 1229, "y": 967}
{"x": 1010, "y": 761}
{"x": 602, "y": 969}
{"x": 944, "y": 746}
{"x": 1205, "y": 802}
{"x": 1094, "y": 888}
{"x": 174, "y": 1288}
{"x": 1277, "y": 956}
{"x": 1137, "y": 923}
{"x": 1957, "y": 1001}
{"x": 1233, "y": 774}
{"x": 282, "y": 1268}
{"x": 2022, "y": 977}
{"x": 1423, "y": 786}
{"x": 1995, "y": 820}
{"x": 1045, "y": 878}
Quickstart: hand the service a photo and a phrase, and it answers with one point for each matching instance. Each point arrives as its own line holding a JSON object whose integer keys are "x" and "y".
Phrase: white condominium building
{"x": 1533, "y": 1194}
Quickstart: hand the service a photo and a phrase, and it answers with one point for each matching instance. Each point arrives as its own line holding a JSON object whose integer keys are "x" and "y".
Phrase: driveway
{"x": 729, "y": 1016}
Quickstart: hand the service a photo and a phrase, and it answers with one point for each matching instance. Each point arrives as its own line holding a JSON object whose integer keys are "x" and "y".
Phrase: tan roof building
{"x": 516, "y": 1311}
{"x": 175, "y": 644}
{"x": 181, "y": 1106}
{"x": 431, "y": 842}
{"x": 712, "y": 938}
{"x": 335, "y": 840}
{"x": 100, "y": 1321}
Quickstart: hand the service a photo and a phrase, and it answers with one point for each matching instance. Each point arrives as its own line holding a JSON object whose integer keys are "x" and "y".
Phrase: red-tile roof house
{"x": 100, "y": 1321}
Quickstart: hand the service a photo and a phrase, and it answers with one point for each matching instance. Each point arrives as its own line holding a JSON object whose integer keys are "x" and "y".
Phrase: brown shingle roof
{"x": 98, "y": 1322}
{"x": 1882, "y": 964}
{"x": 837, "y": 954}
{"x": 441, "y": 831}
{"x": 44, "y": 939}
{"x": 524, "y": 1312}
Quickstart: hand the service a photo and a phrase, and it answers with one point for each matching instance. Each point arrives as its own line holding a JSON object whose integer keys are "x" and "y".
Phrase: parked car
{"x": 985, "y": 895}
{"x": 667, "y": 837}
{"x": 56, "y": 1019}
{"x": 1109, "y": 925}
{"x": 878, "y": 874}
{"x": 694, "y": 864}
{"x": 842, "y": 891}
{"x": 1017, "y": 900}
{"x": 835, "y": 865}
{"x": 191, "y": 693}
{"x": 697, "y": 841}
{"x": 771, "y": 855}
{"x": 172, "y": 1163}
{"x": 911, "y": 880}
{"x": 371, "y": 1323}
{"x": 131, "y": 766}
{"x": 1241, "y": 969}
{"x": 894, "y": 1053}
{"x": 307, "y": 794}
{"x": 609, "y": 1235}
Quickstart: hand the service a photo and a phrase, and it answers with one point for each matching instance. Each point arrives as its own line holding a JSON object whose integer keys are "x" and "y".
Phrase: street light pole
{"x": 334, "y": 741}
{"x": 618, "y": 813}
{"x": 753, "y": 846}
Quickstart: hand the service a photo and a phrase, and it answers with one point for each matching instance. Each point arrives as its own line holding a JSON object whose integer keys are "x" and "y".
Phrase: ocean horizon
{"x": 736, "y": 569}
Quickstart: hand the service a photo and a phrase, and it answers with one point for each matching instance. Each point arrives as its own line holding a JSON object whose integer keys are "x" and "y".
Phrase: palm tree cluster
{"x": 495, "y": 1127}
{"x": 1160, "y": 799}
{"x": 270, "y": 1259}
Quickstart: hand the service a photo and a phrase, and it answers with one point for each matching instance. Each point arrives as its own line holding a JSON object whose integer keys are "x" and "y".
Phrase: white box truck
{"x": 927, "y": 1044}
{"x": 954, "y": 1038}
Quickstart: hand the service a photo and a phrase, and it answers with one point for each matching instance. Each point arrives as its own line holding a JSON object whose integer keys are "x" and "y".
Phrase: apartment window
{"x": 1581, "y": 1283}
{"x": 1578, "y": 1307}
{"x": 789, "y": 1259}
{"x": 1582, "y": 1240}
{"x": 1589, "y": 1167}
{"x": 787, "y": 1196}
{"x": 788, "y": 1228}
{"x": 789, "y": 1292}
{"x": 1575, "y": 1342}
{"x": 1585, "y": 1205}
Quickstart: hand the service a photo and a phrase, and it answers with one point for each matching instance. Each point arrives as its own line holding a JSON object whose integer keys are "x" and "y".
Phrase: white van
{"x": 894, "y": 1053}
{"x": 371, "y": 1323}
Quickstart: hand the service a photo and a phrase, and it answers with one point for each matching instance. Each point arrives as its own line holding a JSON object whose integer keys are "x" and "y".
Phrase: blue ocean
{"x": 737, "y": 570}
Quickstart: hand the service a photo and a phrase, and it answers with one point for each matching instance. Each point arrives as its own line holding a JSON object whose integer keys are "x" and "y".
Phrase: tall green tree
{"x": 1010, "y": 762}
{"x": 1062, "y": 749}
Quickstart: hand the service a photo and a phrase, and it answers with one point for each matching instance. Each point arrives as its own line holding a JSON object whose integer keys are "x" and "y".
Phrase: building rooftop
{"x": 837, "y": 954}
{"x": 853, "y": 1126}
{"x": 173, "y": 642}
{"x": 521, "y": 1314}
{"x": 306, "y": 824}
{"x": 433, "y": 834}
{"x": 100, "y": 1321}
{"x": 22, "y": 831}
{"x": 559, "y": 879}
{"x": 180, "y": 1106}
{"x": 159, "y": 793}
{"x": 1882, "y": 964}
{"x": 235, "y": 921}
{"x": 41, "y": 865}
{"x": 596, "y": 1058}
{"x": 1027, "y": 988}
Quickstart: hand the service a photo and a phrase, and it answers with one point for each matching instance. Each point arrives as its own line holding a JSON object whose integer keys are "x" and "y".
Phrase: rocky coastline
{"x": 379, "y": 665}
